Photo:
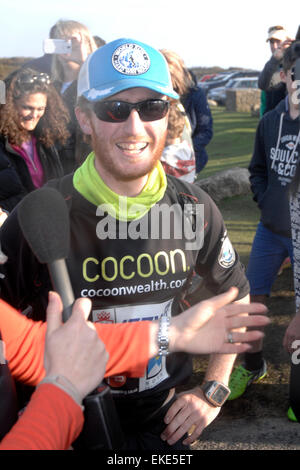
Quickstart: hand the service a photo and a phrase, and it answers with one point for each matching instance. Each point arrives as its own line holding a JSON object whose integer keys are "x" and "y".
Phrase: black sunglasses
{"x": 119, "y": 111}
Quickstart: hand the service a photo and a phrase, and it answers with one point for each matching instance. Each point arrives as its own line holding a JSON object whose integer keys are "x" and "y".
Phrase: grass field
{"x": 232, "y": 142}
{"x": 232, "y": 146}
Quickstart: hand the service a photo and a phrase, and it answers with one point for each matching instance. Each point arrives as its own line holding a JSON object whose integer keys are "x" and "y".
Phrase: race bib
{"x": 156, "y": 370}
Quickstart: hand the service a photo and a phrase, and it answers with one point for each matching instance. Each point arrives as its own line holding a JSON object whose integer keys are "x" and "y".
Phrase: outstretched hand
{"x": 204, "y": 328}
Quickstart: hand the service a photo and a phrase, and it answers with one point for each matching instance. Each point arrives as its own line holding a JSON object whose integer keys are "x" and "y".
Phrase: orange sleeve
{"x": 51, "y": 421}
{"x": 24, "y": 342}
{"x": 127, "y": 345}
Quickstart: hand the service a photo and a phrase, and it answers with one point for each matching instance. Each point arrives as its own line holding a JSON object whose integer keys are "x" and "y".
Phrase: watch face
{"x": 216, "y": 393}
{"x": 220, "y": 394}
{"x": 131, "y": 59}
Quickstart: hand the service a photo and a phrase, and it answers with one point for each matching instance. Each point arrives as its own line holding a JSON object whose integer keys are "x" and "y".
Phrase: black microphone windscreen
{"x": 44, "y": 219}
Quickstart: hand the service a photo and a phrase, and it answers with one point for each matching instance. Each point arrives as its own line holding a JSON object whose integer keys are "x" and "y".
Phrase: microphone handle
{"x": 102, "y": 429}
{"x": 62, "y": 285}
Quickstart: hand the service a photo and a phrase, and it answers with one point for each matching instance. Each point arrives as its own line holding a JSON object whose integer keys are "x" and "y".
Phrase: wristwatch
{"x": 215, "y": 392}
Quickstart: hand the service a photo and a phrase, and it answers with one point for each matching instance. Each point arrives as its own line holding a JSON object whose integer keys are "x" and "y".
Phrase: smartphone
{"x": 57, "y": 46}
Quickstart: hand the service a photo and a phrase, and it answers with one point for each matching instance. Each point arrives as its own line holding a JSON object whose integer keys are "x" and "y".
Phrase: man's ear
{"x": 84, "y": 120}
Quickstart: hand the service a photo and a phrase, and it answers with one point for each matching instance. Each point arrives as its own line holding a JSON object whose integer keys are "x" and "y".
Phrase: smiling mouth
{"x": 31, "y": 120}
{"x": 133, "y": 148}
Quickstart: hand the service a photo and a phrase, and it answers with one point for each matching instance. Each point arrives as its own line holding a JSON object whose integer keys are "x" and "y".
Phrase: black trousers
{"x": 147, "y": 436}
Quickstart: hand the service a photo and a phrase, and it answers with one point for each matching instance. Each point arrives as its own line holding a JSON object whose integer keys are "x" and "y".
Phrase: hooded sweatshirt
{"x": 273, "y": 166}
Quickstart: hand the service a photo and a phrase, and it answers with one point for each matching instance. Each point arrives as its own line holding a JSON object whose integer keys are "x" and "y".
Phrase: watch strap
{"x": 163, "y": 335}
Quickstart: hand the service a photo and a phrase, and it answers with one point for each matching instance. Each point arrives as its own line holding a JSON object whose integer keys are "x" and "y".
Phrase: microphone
{"x": 44, "y": 219}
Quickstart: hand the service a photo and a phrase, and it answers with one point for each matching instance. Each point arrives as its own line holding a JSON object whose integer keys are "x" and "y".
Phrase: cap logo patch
{"x": 131, "y": 59}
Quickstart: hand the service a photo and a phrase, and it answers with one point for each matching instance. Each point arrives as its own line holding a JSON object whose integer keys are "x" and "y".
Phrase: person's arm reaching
{"x": 75, "y": 361}
{"x": 129, "y": 345}
{"x": 53, "y": 420}
{"x": 24, "y": 343}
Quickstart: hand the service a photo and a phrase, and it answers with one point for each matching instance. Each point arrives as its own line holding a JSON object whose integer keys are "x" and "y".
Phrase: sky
{"x": 225, "y": 33}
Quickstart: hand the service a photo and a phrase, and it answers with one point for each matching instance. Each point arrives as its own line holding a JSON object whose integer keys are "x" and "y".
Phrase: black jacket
{"x": 274, "y": 92}
{"x": 199, "y": 114}
{"x": 74, "y": 152}
{"x": 273, "y": 167}
{"x": 15, "y": 179}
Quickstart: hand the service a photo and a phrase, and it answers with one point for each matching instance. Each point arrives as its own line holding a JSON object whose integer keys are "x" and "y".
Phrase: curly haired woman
{"x": 33, "y": 125}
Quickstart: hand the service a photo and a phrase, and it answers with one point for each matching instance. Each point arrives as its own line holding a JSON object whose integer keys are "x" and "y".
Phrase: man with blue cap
{"x": 123, "y": 257}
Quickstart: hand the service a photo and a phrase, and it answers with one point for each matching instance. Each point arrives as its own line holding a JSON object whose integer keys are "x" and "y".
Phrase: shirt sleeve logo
{"x": 227, "y": 255}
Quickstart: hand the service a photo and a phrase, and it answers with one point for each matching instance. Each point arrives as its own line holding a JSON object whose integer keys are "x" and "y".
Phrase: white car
{"x": 219, "y": 94}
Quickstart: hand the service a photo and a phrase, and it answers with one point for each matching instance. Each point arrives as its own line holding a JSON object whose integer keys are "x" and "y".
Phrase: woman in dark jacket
{"x": 195, "y": 104}
{"x": 33, "y": 125}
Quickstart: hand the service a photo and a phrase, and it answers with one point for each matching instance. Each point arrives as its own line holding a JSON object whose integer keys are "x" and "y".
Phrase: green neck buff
{"x": 90, "y": 185}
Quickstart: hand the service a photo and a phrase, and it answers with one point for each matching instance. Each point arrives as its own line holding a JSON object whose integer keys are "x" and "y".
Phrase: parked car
{"x": 219, "y": 77}
{"x": 207, "y": 77}
{"x": 224, "y": 78}
{"x": 219, "y": 94}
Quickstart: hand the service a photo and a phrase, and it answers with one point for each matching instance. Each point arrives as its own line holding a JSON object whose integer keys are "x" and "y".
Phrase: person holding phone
{"x": 64, "y": 73}
{"x": 66, "y": 66}
{"x": 33, "y": 127}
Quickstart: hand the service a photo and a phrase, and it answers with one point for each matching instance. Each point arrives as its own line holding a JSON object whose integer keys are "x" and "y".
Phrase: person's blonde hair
{"x": 176, "y": 122}
{"x": 182, "y": 80}
{"x": 64, "y": 29}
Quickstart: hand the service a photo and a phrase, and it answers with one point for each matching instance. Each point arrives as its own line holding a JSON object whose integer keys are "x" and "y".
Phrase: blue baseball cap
{"x": 123, "y": 64}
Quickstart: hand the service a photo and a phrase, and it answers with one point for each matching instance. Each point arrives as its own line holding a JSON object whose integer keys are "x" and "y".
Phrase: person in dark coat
{"x": 33, "y": 128}
{"x": 269, "y": 81}
{"x": 195, "y": 104}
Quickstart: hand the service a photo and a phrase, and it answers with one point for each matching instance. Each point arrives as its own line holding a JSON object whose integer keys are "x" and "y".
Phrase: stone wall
{"x": 226, "y": 183}
{"x": 242, "y": 100}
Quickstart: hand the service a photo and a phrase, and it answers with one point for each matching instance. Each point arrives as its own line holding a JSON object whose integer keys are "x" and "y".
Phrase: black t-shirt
{"x": 132, "y": 271}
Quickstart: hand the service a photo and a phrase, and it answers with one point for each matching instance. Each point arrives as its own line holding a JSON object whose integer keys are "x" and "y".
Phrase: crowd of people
{"x": 273, "y": 174}
{"x": 120, "y": 130}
